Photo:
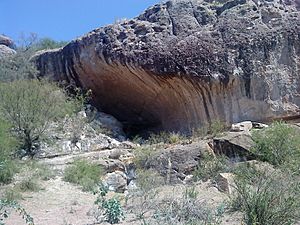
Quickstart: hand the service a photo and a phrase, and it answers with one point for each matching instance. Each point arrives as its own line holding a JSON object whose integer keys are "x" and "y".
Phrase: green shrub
{"x": 148, "y": 180}
{"x": 213, "y": 129}
{"x": 30, "y": 105}
{"x": 279, "y": 144}
{"x": 266, "y": 198}
{"x": 47, "y": 43}
{"x": 40, "y": 170}
{"x": 216, "y": 127}
{"x": 29, "y": 185}
{"x": 7, "y": 146}
{"x": 165, "y": 138}
{"x": 7, "y": 206}
{"x": 12, "y": 194}
{"x": 142, "y": 155}
{"x": 113, "y": 211}
{"x": 187, "y": 209}
{"x": 83, "y": 173}
{"x": 210, "y": 166}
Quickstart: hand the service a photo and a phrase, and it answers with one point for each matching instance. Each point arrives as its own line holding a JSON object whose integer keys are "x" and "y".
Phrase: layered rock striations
{"x": 183, "y": 64}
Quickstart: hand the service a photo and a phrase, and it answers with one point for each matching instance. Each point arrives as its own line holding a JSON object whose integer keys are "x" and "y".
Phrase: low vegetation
{"x": 165, "y": 138}
{"x": 110, "y": 208}
{"x": 266, "y": 197}
{"x": 210, "y": 166}
{"x": 29, "y": 106}
{"x": 7, "y": 206}
{"x": 8, "y": 145}
{"x": 279, "y": 144}
{"x": 83, "y": 173}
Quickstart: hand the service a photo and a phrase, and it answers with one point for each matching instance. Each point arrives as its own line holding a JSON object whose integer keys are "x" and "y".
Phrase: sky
{"x": 64, "y": 20}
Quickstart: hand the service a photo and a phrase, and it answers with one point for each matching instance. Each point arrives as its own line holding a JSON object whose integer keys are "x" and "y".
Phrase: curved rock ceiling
{"x": 183, "y": 64}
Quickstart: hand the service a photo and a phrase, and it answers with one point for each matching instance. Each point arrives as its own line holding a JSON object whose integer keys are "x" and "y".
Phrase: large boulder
{"x": 184, "y": 63}
{"x": 235, "y": 145}
{"x": 4, "y": 40}
{"x": 6, "y": 51}
{"x": 6, "y": 46}
{"x": 178, "y": 162}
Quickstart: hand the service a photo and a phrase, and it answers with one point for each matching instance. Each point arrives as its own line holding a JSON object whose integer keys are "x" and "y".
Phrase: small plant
{"x": 210, "y": 166}
{"x": 113, "y": 211}
{"x": 39, "y": 170}
{"x": 12, "y": 194}
{"x": 8, "y": 145}
{"x": 29, "y": 106}
{"x": 29, "y": 184}
{"x": 6, "y": 207}
{"x": 164, "y": 138}
{"x": 266, "y": 198}
{"x": 83, "y": 173}
{"x": 187, "y": 209}
{"x": 279, "y": 144}
{"x": 216, "y": 127}
{"x": 142, "y": 156}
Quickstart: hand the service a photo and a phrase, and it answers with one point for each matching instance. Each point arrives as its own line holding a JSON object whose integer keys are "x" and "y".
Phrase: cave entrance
{"x": 142, "y": 129}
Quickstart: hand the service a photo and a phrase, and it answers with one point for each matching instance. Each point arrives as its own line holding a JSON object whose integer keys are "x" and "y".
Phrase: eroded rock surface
{"x": 6, "y": 46}
{"x": 185, "y": 63}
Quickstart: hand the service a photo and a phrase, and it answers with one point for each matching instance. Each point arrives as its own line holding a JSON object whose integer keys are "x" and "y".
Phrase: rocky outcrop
{"x": 185, "y": 63}
{"x": 6, "y": 46}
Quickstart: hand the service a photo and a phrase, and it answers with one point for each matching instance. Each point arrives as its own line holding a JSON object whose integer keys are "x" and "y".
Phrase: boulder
{"x": 225, "y": 182}
{"x": 4, "y": 40}
{"x": 116, "y": 181}
{"x": 257, "y": 125}
{"x": 235, "y": 145}
{"x": 182, "y": 64}
{"x": 178, "y": 162}
{"x": 6, "y": 51}
{"x": 242, "y": 126}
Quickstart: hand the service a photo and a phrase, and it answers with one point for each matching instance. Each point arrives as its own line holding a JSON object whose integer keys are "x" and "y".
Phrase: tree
{"x": 48, "y": 43}
{"x": 30, "y": 105}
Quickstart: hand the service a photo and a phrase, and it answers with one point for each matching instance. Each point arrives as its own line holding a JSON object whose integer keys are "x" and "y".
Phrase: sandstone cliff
{"x": 185, "y": 63}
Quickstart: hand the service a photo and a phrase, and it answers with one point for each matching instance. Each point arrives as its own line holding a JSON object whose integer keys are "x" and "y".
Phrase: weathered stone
{"x": 4, "y": 40}
{"x": 257, "y": 125}
{"x": 242, "y": 126}
{"x": 182, "y": 64}
{"x": 235, "y": 145}
{"x": 177, "y": 162}
{"x": 116, "y": 181}
{"x": 225, "y": 182}
{"x": 6, "y": 51}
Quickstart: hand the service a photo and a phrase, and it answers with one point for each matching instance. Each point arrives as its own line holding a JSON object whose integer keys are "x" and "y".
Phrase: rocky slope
{"x": 182, "y": 64}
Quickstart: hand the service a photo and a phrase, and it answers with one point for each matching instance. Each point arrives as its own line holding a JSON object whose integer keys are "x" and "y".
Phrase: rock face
{"x": 185, "y": 63}
{"x": 6, "y": 46}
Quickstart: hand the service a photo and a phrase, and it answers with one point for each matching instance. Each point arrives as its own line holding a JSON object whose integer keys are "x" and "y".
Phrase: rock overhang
{"x": 183, "y": 64}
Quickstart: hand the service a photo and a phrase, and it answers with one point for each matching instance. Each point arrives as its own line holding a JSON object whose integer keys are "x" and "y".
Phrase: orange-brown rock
{"x": 185, "y": 63}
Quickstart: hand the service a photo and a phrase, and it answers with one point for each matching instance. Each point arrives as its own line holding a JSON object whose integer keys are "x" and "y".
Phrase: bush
{"x": 30, "y": 105}
{"x": 29, "y": 185}
{"x": 165, "y": 138}
{"x": 216, "y": 127}
{"x": 47, "y": 43}
{"x": 113, "y": 211}
{"x": 279, "y": 145}
{"x": 12, "y": 194}
{"x": 142, "y": 155}
{"x": 83, "y": 173}
{"x": 266, "y": 198}
{"x": 7, "y": 146}
{"x": 7, "y": 206}
{"x": 210, "y": 166}
{"x": 187, "y": 209}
